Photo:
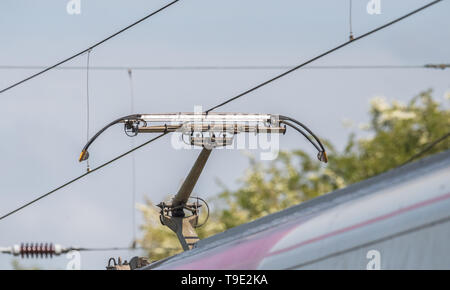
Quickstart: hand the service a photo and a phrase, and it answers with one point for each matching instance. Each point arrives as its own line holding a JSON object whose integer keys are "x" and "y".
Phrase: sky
{"x": 44, "y": 120}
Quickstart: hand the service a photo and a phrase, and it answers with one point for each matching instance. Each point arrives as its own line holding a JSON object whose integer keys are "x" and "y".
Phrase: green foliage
{"x": 17, "y": 266}
{"x": 395, "y": 133}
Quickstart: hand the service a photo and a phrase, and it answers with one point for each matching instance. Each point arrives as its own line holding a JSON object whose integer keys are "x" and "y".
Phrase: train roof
{"x": 319, "y": 204}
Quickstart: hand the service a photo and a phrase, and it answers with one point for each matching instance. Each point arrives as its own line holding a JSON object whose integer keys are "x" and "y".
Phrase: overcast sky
{"x": 43, "y": 124}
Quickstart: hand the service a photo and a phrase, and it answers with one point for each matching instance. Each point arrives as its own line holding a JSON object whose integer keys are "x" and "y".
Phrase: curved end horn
{"x": 83, "y": 156}
{"x": 322, "y": 155}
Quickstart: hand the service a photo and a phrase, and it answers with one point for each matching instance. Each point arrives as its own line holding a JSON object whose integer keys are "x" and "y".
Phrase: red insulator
{"x": 38, "y": 250}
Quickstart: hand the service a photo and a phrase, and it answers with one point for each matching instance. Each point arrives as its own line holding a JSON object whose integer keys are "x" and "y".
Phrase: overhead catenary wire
{"x": 48, "y": 250}
{"x": 323, "y": 54}
{"x": 222, "y": 104}
{"x": 441, "y": 66}
{"x": 89, "y": 48}
{"x": 100, "y": 249}
{"x": 81, "y": 176}
{"x": 427, "y": 148}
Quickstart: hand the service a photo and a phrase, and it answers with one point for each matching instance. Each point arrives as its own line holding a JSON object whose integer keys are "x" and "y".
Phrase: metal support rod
{"x": 188, "y": 185}
{"x": 225, "y": 128}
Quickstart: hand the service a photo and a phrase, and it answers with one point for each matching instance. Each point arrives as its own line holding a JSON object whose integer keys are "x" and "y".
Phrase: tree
{"x": 396, "y": 132}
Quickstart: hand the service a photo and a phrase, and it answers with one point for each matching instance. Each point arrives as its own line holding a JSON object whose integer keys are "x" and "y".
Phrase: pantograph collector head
{"x": 209, "y": 129}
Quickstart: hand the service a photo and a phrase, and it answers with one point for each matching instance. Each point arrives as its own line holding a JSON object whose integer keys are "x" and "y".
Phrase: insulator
{"x": 38, "y": 250}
